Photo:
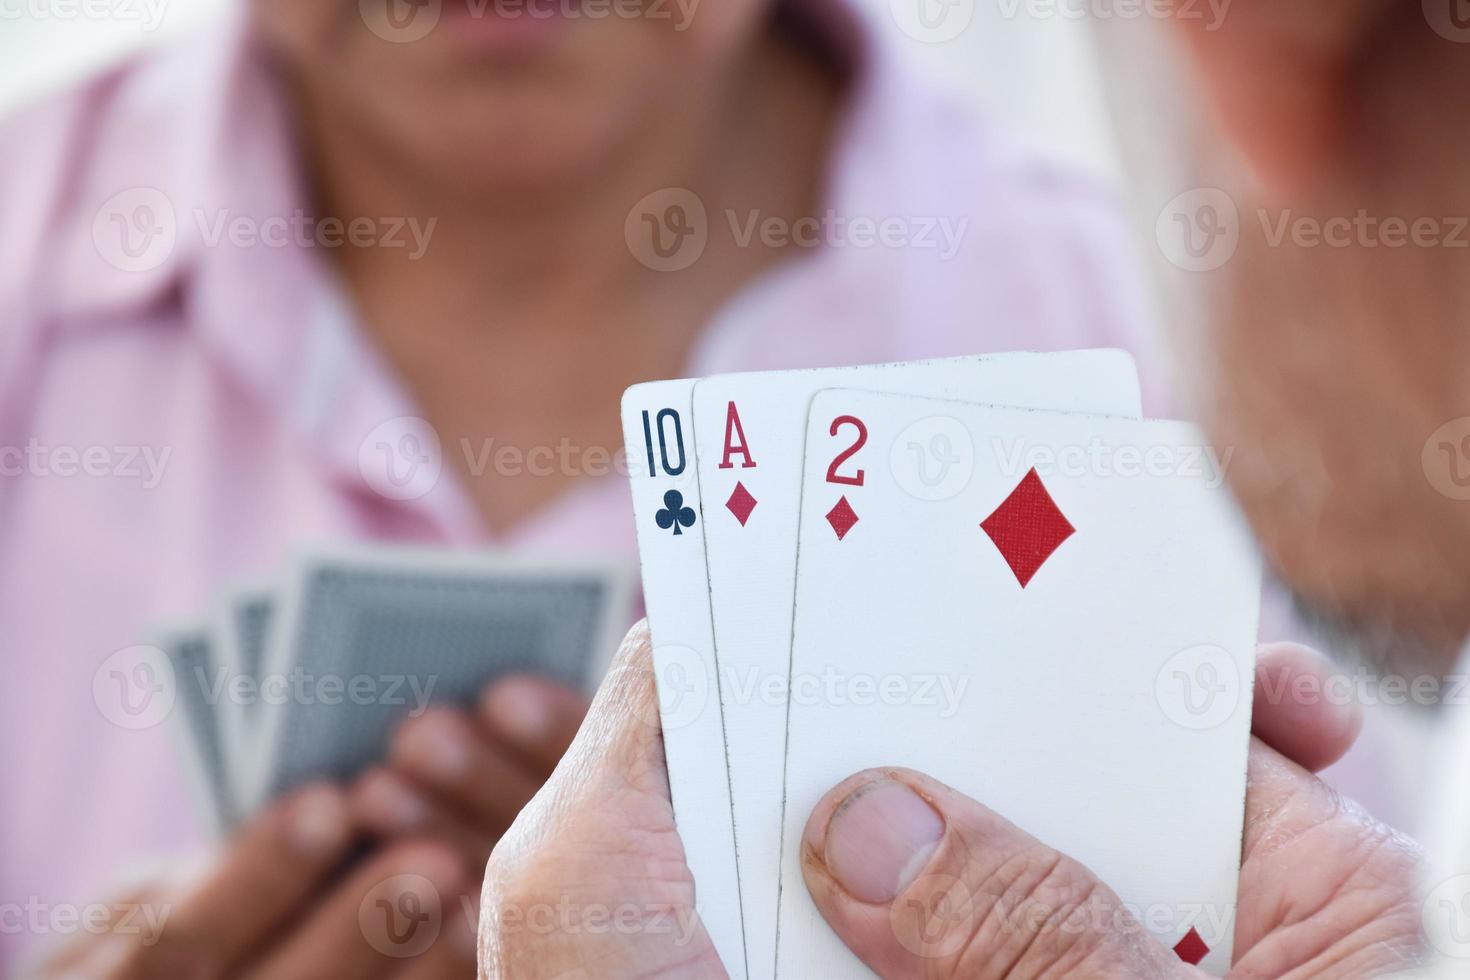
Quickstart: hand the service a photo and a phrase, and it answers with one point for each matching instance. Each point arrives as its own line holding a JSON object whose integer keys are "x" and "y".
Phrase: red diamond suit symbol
{"x": 1191, "y": 949}
{"x": 842, "y": 518}
{"x": 1027, "y": 527}
{"x": 741, "y": 503}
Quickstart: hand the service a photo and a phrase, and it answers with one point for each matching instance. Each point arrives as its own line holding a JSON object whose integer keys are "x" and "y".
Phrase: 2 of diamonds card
{"x": 750, "y": 431}
{"x": 1082, "y": 590}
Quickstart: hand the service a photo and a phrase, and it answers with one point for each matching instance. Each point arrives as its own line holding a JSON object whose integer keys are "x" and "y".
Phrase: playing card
{"x": 243, "y": 618}
{"x": 667, "y": 509}
{"x": 367, "y": 638}
{"x": 248, "y": 614}
{"x": 197, "y": 723}
{"x": 1063, "y": 627}
{"x": 749, "y": 432}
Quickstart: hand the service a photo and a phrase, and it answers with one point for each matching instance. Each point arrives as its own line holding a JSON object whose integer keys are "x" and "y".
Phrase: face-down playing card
{"x": 366, "y": 638}
{"x": 193, "y": 654}
{"x": 1061, "y": 626}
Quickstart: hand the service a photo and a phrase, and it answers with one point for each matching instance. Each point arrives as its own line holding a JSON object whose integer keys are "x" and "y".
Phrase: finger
{"x": 387, "y": 912}
{"x": 921, "y": 881}
{"x": 535, "y": 717}
{"x": 1304, "y": 706}
{"x": 276, "y": 863}
{"x": 452, "y": 957}
{"x": 389, "y": 806}
{"x": 444, "y": 752}
{"x": 1304, "y": 840}
{"x": 1277, "y": 75}
{"x": 91, "y": 955}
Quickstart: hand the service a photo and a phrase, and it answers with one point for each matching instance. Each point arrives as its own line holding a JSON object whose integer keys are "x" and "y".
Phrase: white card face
{"x": 1065, "y": 632}
{"x": 750, "y": 432}
{"x": 666, "y": 505}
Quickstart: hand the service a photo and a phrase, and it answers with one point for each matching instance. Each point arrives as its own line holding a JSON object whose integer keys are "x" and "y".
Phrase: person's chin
{"x": 1385, "y": 645}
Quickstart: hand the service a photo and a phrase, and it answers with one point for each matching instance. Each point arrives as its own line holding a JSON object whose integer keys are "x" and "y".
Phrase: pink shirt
{"x": 175, "y": 421}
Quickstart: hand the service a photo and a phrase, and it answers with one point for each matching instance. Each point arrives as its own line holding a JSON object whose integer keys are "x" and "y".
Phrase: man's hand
{"x": 597, "y": 846}
{"x": 277, "y": 906}
{"x": 921, "y": 881}
{"x": 1325, "y": 890}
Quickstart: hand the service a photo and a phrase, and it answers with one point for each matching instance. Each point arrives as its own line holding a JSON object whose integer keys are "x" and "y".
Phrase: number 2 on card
{"x": 838, "y": 424}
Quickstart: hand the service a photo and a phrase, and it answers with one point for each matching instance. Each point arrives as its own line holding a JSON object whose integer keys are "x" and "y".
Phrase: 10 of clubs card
{"x": 666, "y": 505}
{"x": 1056, "y": 616}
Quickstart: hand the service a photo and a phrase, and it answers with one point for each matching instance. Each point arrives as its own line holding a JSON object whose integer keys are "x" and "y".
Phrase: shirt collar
{"x": 191, "y": 152}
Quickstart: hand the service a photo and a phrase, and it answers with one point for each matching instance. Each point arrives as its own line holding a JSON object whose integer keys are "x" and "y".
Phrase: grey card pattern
{"x": 407, "y": 634}
{"x": 193, "y": 659}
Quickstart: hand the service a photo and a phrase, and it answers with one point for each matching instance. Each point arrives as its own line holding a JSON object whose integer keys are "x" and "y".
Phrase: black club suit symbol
{"x": 675, "y": 515}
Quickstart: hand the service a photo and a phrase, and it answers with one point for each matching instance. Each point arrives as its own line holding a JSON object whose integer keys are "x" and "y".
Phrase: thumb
{"x": 922, "y": 881}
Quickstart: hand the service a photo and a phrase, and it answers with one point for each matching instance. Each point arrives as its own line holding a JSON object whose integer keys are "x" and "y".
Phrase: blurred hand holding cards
{"x": 307, "y": 679}
{"x": 1054, "y": 574}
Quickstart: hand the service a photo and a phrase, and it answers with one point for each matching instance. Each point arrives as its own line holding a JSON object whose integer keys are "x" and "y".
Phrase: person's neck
{"x": 529, "y": 313}
{"x": 506, "y": 249}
